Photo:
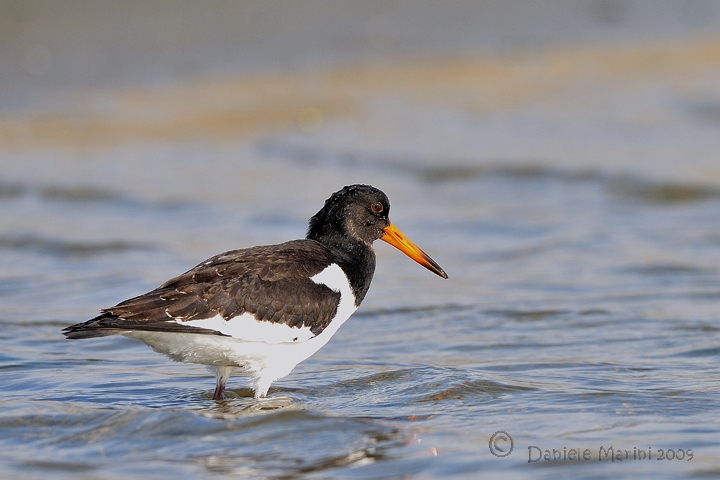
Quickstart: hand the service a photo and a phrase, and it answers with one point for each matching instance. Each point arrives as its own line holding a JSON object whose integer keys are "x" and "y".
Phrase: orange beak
{"x": 395, "y": 237}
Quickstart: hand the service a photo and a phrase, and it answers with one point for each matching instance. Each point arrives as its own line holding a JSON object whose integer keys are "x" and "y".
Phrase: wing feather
{"x": 270, "y": 282}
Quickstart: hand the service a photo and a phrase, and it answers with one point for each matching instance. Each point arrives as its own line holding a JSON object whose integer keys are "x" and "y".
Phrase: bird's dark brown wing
{"x": 270, "y": 282}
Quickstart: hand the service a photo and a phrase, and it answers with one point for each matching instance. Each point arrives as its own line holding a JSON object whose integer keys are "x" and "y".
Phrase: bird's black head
{"x": 354, "y": 217}
{"x": 357, "y": 212}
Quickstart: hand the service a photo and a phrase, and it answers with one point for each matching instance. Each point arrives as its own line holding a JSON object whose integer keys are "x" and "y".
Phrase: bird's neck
{"x": 356, "y": 258}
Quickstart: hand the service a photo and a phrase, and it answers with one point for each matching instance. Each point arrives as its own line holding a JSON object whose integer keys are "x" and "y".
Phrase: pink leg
{"x": 222, "y": 374}
{"x": 219, "y": 390}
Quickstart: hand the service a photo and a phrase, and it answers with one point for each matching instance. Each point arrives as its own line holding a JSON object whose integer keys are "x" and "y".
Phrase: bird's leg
{"x": 222, "y": 374}
{"x": 261, "y": 386}
{"x": 219, "y": 390}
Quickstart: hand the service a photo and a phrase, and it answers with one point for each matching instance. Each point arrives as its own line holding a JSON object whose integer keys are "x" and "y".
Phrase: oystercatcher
{"x": 265, "y": 309}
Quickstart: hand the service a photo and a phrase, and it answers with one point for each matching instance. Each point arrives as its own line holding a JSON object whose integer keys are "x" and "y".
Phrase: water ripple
{"x": 53, "y": 246}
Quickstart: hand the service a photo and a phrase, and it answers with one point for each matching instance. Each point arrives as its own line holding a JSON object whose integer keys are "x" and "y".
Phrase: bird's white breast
{"x": 335, "y": 279}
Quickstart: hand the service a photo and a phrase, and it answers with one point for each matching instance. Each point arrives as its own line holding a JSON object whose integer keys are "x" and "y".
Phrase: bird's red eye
{"x": 376, "y": 207}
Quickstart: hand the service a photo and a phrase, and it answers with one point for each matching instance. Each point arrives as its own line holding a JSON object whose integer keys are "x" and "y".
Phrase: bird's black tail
{"x": 100, "y": 326}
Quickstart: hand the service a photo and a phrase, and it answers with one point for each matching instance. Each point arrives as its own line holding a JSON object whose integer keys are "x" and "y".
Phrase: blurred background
{"x": 592, "y": 84}
{"x": 232, "y": 100}
{"x": 560, "y": 159}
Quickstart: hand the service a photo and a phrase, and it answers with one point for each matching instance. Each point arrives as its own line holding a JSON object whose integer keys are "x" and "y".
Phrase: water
{"x": 576, "y": 315}
{"x": 572, "y": 195}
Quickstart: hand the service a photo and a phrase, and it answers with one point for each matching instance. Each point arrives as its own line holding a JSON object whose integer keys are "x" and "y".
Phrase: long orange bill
{"x": 395, "y": 237}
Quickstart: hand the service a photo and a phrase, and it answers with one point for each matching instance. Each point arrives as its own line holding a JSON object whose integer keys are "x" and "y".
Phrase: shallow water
{"x": 575, "y": 316}
{"x": 571, "y": 193}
